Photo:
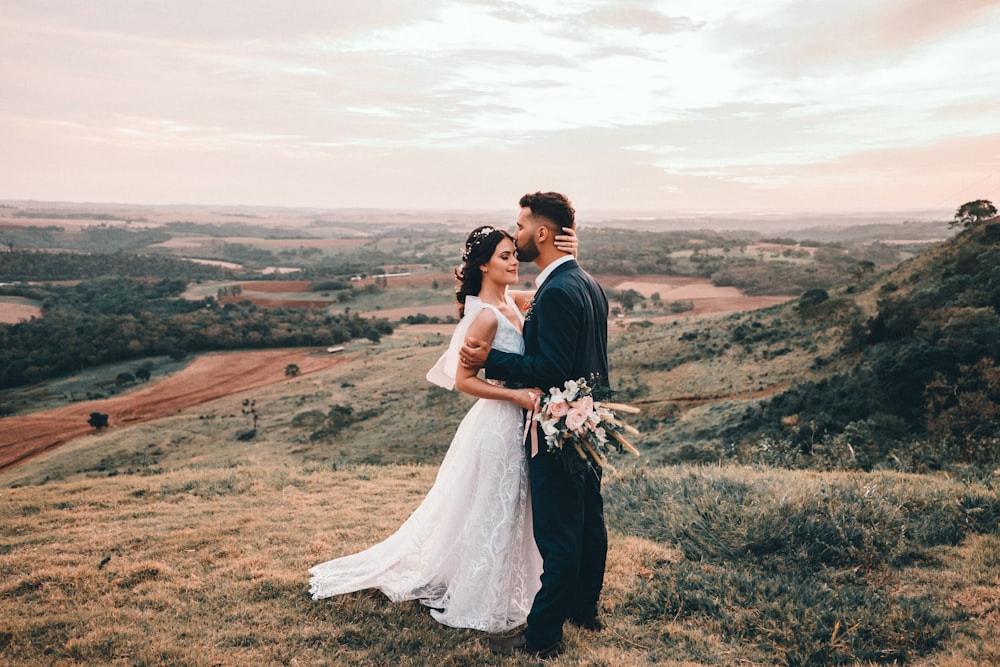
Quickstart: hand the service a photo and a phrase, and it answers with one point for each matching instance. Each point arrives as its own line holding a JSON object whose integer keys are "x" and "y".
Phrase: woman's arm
{"x": 484, "y": 327}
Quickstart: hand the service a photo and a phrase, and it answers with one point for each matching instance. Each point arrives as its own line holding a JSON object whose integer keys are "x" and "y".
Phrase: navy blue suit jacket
{"x": 565, "y": 335}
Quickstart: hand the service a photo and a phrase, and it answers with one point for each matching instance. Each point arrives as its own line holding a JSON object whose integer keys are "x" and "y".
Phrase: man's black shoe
{"x": 516, "y": 644}
{"x": 593, "y": 624}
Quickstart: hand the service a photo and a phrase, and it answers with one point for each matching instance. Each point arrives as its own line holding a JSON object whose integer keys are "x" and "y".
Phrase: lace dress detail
{"x": 467, "y": 551}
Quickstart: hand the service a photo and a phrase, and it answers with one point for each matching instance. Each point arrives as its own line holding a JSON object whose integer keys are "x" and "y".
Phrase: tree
{"x": 629, "y": 298}
{"x": 98, "y": 420}
{"x": 972, "y": 213}
{"x": 863, "y": 268}
{"x": 250, "y": 410}
{"x": 962, "y": 415}
{"x": 813, "y": 297}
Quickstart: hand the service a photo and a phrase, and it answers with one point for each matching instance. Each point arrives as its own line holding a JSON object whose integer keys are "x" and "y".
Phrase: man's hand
{"x": 473, "y": 353}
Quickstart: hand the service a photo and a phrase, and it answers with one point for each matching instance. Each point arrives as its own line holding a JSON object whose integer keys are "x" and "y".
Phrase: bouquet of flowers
{"x": 574, "y": 421}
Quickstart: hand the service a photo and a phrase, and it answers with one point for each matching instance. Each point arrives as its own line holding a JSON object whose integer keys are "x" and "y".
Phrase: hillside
{"x": 899, "y": 370}
{"x": 183, "y": 541}
{"x": 831, "y": 379}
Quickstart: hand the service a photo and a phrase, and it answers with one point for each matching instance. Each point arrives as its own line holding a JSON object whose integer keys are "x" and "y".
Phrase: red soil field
{"x": 12, "y": 313}
{"x": 264, "y": 302}
{"x": 394, "y": 314}
{"x": 198, "y": 241}
{"x": 276, "y": 286}
{"x": 207, "y": 378}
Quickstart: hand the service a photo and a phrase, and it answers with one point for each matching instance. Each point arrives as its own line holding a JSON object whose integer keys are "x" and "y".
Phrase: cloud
{"x": 186, "y": 21}
{"x": 800, "y": 35}
{"x": 637, "y": 19}
{"x": 903, "y": 24}
{"x": 626, "y": 102}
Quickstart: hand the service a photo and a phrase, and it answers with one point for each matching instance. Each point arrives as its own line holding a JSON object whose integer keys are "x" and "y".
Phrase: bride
{"x": 467, "y": 551}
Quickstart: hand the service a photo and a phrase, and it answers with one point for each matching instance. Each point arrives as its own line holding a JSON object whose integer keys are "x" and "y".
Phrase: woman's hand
{"x": 526, "y": 398}
{"x": 568, "y": 242}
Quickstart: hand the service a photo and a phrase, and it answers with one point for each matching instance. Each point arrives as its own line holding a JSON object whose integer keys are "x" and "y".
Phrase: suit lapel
{"x": 531, "y": 325}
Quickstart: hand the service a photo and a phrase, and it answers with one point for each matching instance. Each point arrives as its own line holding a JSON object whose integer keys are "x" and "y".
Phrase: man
{"x": 565, "y": 338}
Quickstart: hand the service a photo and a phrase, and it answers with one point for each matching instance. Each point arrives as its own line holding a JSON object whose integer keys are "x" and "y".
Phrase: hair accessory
{"x": 477, "y": 237}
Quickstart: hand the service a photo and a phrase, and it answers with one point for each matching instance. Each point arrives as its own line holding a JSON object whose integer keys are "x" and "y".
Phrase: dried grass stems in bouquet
{"x": 575, "y": 421}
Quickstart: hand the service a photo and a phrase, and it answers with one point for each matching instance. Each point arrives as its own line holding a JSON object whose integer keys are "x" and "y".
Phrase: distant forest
{"x": 723, "y": 257}
{"x": 35, "y": 265}
{"x": 115, "y": 319}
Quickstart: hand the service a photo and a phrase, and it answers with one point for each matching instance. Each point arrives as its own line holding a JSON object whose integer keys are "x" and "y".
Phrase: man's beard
{"x": 528, "y": 252}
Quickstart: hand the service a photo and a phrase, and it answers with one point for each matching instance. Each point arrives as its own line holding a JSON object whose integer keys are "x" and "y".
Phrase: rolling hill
{"x": 816, "y": 488}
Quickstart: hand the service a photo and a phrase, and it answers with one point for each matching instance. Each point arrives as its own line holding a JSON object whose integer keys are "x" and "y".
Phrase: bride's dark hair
{"x": 479, "y": 248}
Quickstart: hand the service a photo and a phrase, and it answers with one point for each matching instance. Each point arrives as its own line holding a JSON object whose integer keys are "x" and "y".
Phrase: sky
{"x": 643, "y": 106}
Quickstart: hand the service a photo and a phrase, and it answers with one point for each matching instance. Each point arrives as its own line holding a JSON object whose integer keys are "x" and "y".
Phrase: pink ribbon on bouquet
{"x": 529, "y": 425}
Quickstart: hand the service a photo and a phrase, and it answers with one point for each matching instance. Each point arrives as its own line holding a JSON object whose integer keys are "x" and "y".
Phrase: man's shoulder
{"x": 570, "y": 270}
{"x": 571, "y": 273}
{"x": 571, "y": 286}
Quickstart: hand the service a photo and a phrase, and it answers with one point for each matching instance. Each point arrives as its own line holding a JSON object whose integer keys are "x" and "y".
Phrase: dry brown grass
{"x": 209, "y": 567}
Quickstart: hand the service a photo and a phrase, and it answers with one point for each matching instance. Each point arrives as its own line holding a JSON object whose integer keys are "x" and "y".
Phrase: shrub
{"x": 796, "y": 570}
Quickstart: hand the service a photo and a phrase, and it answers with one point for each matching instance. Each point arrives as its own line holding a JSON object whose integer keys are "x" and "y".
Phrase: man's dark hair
{"x": 552, "y": 206}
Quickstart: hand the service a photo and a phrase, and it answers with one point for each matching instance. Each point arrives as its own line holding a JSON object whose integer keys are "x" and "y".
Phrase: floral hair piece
{"x": 475, "y": 239}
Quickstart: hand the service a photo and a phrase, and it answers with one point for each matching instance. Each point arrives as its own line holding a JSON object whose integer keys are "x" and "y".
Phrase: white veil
{"x": 443, "y": 372}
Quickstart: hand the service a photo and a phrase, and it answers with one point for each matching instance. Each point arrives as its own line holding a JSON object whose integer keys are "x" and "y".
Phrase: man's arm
{"x": 484, "y": 327}
{"x": 558, "y": 314}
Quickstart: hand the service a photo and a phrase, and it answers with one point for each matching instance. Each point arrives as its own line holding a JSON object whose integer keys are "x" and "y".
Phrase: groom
{"x": 565, "y": 338}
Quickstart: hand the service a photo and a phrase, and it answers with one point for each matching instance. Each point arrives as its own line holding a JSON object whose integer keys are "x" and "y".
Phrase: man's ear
{"x": 542, "y": 233}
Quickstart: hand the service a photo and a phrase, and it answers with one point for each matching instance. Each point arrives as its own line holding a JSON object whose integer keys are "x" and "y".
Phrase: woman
{"x": 467, "y": 551}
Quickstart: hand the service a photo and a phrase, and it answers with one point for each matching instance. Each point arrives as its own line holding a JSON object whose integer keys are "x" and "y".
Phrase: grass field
{"x": 707, "y": 566}
{"x": 180, "y": 541}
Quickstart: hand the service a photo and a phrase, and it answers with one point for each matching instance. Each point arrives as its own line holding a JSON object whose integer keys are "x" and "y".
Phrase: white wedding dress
{"x": 467, "y": 551}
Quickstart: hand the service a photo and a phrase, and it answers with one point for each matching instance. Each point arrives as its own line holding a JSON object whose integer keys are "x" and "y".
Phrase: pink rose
{"x": 576, "y": 418}
{"x": 558, "y": 409}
